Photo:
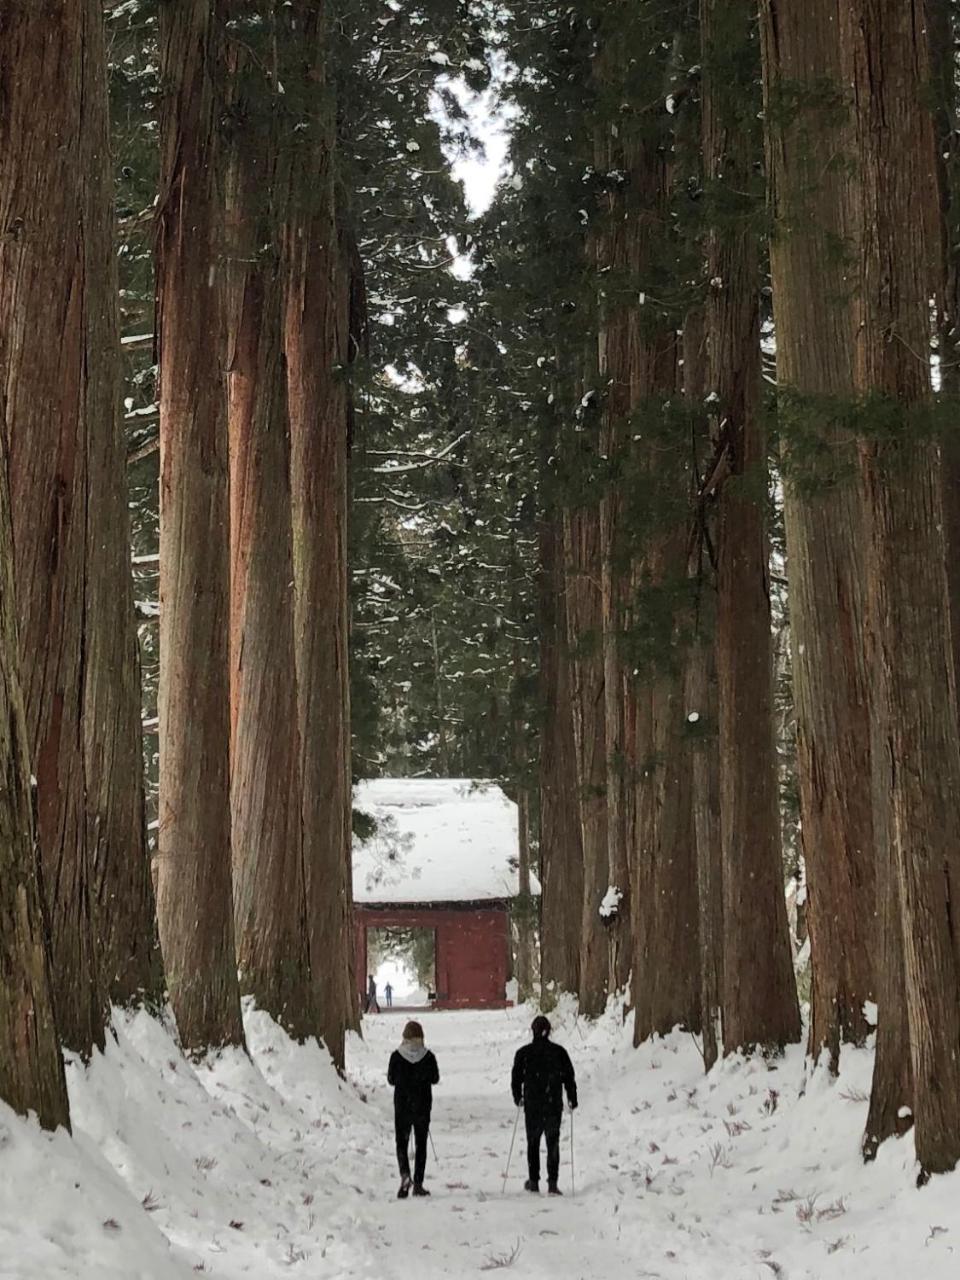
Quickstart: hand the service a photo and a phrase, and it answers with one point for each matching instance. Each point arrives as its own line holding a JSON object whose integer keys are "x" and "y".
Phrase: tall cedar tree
{"x": 317, "y": 346}
{"x": 561, "y": 847}
{"x": 268, "y": 873}
{"x": 759, "y": 1001}
{"x": 809, "y": 151}
{"x": 643, "y": 519}
{"x": 59, "y": 354}
{"x": 942, "y": 29}
{"x": 584, "y": 622}
{"x": 885, "y": 54}
{"x": 195, "y": 899}
{"x": 700, "y": 701}
{"x": 125, "y": 910}
{"x": 31, "y": 1067}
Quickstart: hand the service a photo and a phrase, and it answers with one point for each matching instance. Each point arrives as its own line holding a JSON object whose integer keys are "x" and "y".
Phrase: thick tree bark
{"x": 809, "y": 139}
{"x": 891, "y": 1091}
{"x": 642, "y": 518}
{"x": 54, "y": 294}
{"x": 886, "y": 60}
{"x": 942, "y": 30}
{"x": 667, "y": 965}
{"x": 317, "y": 349}
{"x": 561, "y": 840}
{"x": 126, "y": 914}
{"x": 760, "y": 999}
{"x": 31, "y": 1067}
{"x": 582, "y": 559}
{"x": 270, "y": 909}
{"x": 700, "y": 707}
{"x": 194, "y": 881}
{"x": 524, "y": 967}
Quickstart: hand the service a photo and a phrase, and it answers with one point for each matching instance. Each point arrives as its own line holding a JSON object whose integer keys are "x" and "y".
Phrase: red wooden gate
{"x": 473, "y": 947}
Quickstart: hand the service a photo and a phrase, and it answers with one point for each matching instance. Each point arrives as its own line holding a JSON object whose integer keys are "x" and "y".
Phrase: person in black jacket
{"x": 413, "y": 1072}
{"x": 541, "y": 1072}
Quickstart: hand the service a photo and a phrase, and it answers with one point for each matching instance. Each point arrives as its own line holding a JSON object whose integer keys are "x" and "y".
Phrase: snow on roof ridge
{"x": 438, "y": 840}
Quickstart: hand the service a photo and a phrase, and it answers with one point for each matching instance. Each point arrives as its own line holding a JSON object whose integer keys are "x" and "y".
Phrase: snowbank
{"x": 226, "y": 1168}
{"x": 271, "y": 1166}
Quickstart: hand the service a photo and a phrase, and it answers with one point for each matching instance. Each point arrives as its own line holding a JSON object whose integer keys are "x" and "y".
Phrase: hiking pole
{"x": 573, "y": 1179}
{"x": 432, "y": 1146}
{"x": 506, "y": 1171}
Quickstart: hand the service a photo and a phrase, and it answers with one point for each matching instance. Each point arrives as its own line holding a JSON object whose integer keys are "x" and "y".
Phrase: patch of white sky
{"x": 479, "y": 169}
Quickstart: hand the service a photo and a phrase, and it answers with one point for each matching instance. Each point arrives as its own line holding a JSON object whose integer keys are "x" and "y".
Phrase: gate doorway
{"x": 403, "y": 958}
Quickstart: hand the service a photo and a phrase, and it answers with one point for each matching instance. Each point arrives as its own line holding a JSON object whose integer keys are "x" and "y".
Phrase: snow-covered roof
{"x": 437, "y": 840}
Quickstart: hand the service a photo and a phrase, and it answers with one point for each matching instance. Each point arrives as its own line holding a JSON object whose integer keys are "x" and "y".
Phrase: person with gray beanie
{"x": 413, "y": 1072}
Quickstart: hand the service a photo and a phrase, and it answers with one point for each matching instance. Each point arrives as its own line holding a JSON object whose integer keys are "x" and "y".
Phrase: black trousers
{"x": 421, "y": 1127}
{"x": 540, "y": 1125}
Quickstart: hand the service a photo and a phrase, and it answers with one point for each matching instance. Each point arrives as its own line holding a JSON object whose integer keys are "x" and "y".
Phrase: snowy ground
{"x": 275, "y": 1168}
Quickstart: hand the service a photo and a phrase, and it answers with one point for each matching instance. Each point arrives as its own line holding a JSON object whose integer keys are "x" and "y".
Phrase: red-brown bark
{"x": 270, "y": 911}
{"x": 808, "y": 137}
{"x": 31, "y": 1067}
{"x": 759, "y": 1001}
{"x": 55, "y": 299}
{"x": 316, "y": 343}
{"x": 886, "y": 59}
{"x": 582, "y": 560}
{"x": 194, "y": 882}
{"x": 561, "y": 850}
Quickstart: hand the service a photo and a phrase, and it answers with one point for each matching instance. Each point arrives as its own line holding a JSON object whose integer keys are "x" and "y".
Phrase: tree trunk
{"x": 701, "y": 731}
{"x": 126, "y": 912}
{"x": 55, "y": 378}
{"x": 942, "y": 33}
{"x": 31, "y": 1067}
{"x": 524, "y": 968}
{"x": 891, "y": 1092}
{"x": 808, "y": 133}
{"x": 270, "y": 909}
{"x": 700, "y": 688}
{"x": 885, "y": 48}
{"x": 316, "y": 346}
{"x": 667, "y": 964}
{"x": 760, "y": 999}
{"x": 561, "y": 840}
{"x": 584, "y": 628}
{"x": 194, "y": 881}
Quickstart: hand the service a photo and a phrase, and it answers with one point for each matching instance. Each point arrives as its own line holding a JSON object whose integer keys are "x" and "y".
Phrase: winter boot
{"x": 554, "y": 1190}
{"x": 419, "y": 1189}
{"x": 532, "y": 1186}
{"x": 404, "y": 1187}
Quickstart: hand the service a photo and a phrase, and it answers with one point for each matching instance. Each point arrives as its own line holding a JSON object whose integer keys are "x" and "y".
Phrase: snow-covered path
{"x": 273, "y": 1167}
{"x": 676, "y": 1176}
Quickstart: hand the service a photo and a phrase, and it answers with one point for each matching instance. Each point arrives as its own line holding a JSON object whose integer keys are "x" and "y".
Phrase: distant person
{"x": 413, "y": 1072}
{"x": 541, "y": 1072}
{"x": 372, "y": 1006}
{"x": 388, "y": 992}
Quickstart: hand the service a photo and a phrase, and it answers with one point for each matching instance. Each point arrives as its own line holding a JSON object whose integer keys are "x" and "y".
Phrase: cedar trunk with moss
{"x": 270, "y": 910}
{"x": 58, "y": 355}
{"x": 809, "y": 149}
{"x": 701, "y": 738}
{"x": 759, "y": 998}
{"x": 317, "y": 348}
{"x": 31, "y": 1067}
{"x": 561, "y": 848}
{"x": 194, "y": 881}
{"x": 886, "y": 60}
{"x": 584, "y": 622}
